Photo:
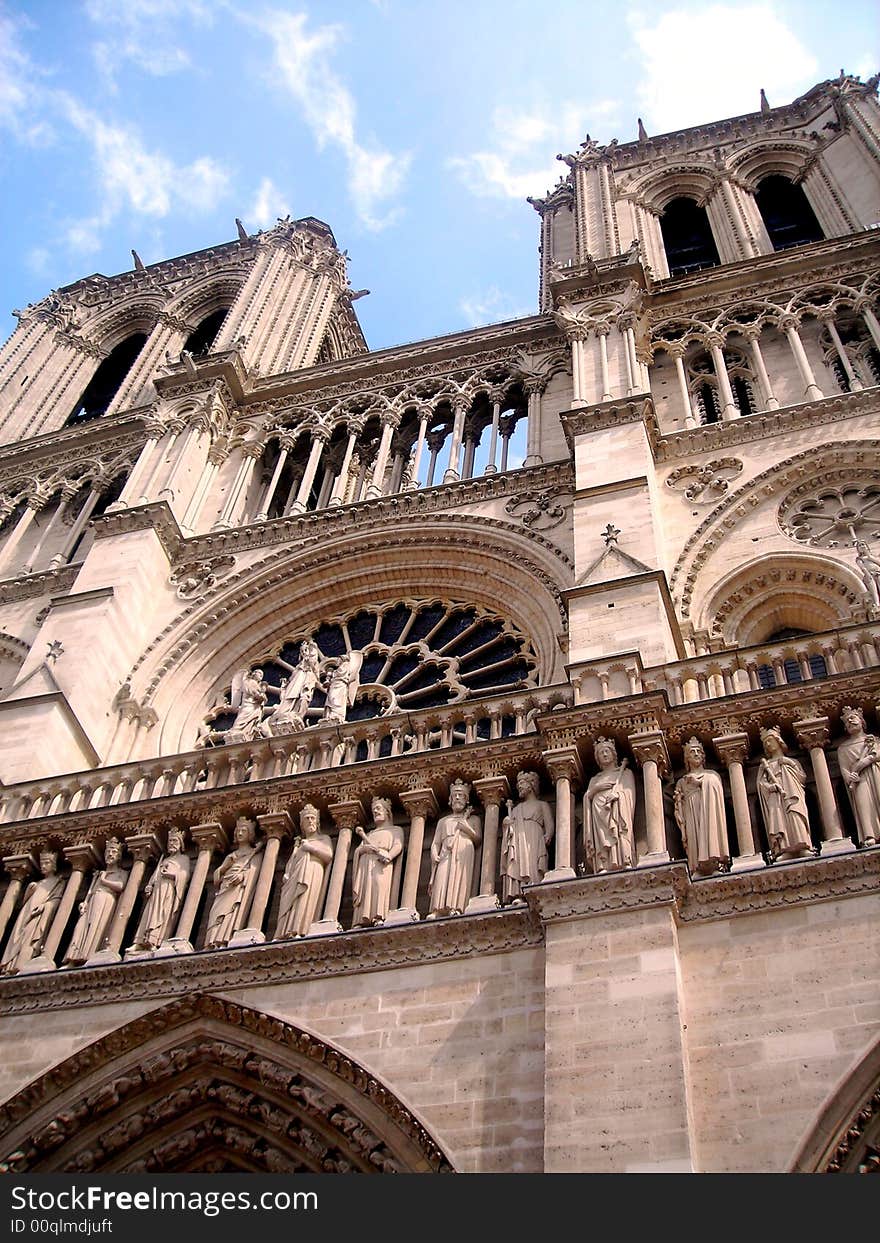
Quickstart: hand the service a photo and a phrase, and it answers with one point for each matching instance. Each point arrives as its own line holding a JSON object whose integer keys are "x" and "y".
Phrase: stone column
{"x": 419, "y": 805}
{"x": 649, "y": 748}
{"x": 855, "y": 383}
{"x": 130, "y": 493}
{"x": 534, "y": 387}
{"x": 20, "y": 868}
{"x": 751, "y": 335}
{"x": 345, "y": 815}
{"x": 338, "y": 492}
{"x": 492, "y": 791}
{"x": 79, "y": 525}
{"x": 424, "y": 419}
{"x": 68, "y": 492}
{"x": 144, "y": 847}
{"x": 564, "y": 767}
{"x": 813, "y": 734}
{"x": 83, "y": 858}
{"x": 729, "y": 409}
{"x": 251, "y": 453}
{"x": 493, "y": 441}
{"x": 789, "y": 326}
{"x": 216, "y": 458}
{"x": 676, "y": 353}
{"x": 208, "y": 837}
{"x": 275, "y": 825}
{"x": 194, "y": 433}
{"x": 602, "y": 331}
{"x": 14, "y": 540}
{"x": 150, "y": 477}
{"x": 867, "y": 314}
{"x": 576, "y": 338}
{"x": 376, "y": 486}
{"x": 460, "y": 409}
{"x": 629, "y": 338}
{"x": 269, "y": 495}
{"x": 320, "y": 438}
{"x": 733, "y": 751}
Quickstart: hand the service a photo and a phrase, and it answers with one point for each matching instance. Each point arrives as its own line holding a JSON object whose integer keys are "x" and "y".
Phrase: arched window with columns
{"x": 201, "y": 340}
{"x": 687, "y": 237}
{"x": 107, "y": 380}
{"x": 785, "y": 209}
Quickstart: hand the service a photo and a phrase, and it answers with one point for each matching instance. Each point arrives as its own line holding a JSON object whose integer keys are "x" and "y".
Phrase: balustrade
{"x": 383, "y": 866}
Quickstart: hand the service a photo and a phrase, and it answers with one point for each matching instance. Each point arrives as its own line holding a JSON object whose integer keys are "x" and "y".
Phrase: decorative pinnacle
{"x": 610, "y": 535}
{"x": 56, "y": 649}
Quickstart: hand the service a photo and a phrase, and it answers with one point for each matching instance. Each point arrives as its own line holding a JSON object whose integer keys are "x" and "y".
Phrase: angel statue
{"x": 248, "y": 700}
{"x": 342, "y": 687}
{"x": 296, "y": 693}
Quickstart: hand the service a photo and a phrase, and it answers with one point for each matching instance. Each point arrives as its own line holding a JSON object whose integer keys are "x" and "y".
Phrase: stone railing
{"x": 323, "y": 747}
{"x": 784, "y": 781}
{"x": 734, "y": 671}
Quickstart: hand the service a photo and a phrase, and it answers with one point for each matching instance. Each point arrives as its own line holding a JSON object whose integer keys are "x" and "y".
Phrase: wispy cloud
{"x": 144, "y": 33}
{"x": 20, "y": 87}
{"x": 515, "y": 162}
{"x": 302, "y": 63}
{"x": 134, "y": 178}
{"x": 269, "y": 203}
{"x": 491, "y": 306}
{"x": 712, "y": 63}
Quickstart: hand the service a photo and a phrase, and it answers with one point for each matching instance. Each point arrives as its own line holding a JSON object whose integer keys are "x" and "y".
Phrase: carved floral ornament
{"x": 540, "y": 509}
{"x": 703, "y": 484}
{"x": 407, "y": 654}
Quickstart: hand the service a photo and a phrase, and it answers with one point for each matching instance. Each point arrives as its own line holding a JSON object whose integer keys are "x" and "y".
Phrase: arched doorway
{"x": 207, "y": 1085}
{"x": 845, "y": 1138}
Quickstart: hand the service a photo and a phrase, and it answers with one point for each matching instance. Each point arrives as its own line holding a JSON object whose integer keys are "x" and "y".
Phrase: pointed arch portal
{"x": 207, "y": 1085}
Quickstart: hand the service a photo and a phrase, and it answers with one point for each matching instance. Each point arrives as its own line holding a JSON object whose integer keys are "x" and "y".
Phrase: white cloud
{"x": 518, "y": 160}
{"x": 302, "y": 63}
{"x": 490, "y": 307}
{"x": 38, "y": 260}
{"x": 269, "y": 203}
{"x": 711, "y": 64}
{"x": 134, "y": 178}
{"x": 143, "y": 33}
{"x": 19, "y": 88}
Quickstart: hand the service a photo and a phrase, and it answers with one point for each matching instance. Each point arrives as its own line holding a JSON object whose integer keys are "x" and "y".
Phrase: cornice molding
{"x": 310, "y": 958}
{"x": 675, "y": 445}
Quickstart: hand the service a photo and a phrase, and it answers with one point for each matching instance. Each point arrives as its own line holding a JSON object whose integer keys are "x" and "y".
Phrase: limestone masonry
{"x": 461, "y": 756}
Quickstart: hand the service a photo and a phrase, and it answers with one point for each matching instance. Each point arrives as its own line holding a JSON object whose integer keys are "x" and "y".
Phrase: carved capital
{"x": 348, "y": 813}
{"x": 650, "y": 745}
{"x": 492, "y": 790}
{"x": 419, "y": 802}
{"x": 20, "y": 867}
{"x": 211, "y": 836}
{"x": 812, "y": 732}
{"x": 82, "y": 857}
{"x": 564, "y": 762}
{"x": 144, "y": 846}
{"x": 732, "y": 748}
{"x": 714, "y": 340}
{"x": 275, "y": 824}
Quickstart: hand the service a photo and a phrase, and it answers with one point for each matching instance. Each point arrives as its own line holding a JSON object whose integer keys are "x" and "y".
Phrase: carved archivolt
{"x": 811, "y": 467}
{"x": 207, "y": 1084}
{"x": 845, "y": 1138}
{"x": 479, "y": 560}
{"x": 787, "y": 591}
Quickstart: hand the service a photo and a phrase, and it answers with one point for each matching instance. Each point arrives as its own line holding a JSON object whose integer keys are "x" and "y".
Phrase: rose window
{"x": 409, "y": 655}
{"x": 835, "y": 517}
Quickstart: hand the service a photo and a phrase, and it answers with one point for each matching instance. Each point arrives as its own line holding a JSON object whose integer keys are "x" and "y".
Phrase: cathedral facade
{"x": 466, "y": 755}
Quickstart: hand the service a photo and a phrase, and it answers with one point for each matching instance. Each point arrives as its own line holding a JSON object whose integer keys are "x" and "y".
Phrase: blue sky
{"x": 414, "y": 128}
